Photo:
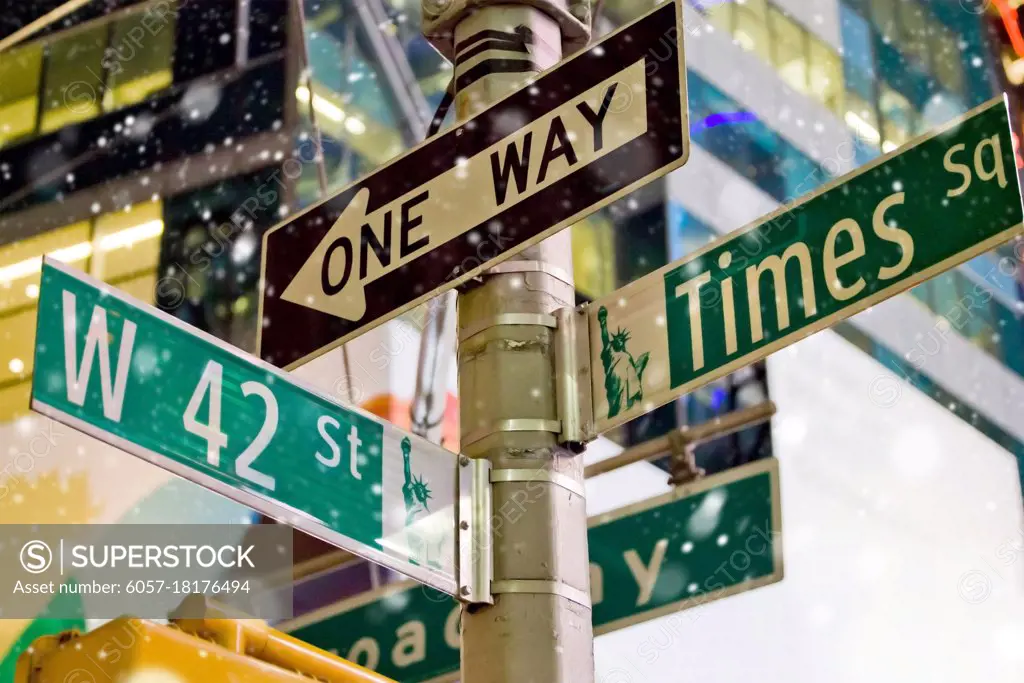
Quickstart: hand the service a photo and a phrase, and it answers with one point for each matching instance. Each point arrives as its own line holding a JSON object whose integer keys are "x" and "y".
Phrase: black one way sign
{"x": 584, "y": 133}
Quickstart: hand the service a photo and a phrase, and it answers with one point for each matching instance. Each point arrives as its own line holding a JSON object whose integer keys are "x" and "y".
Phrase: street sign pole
{"x": 507, "y": 401}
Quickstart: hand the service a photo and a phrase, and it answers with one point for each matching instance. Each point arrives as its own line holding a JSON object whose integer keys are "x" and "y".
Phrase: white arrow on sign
{"x": 361, "y": 247}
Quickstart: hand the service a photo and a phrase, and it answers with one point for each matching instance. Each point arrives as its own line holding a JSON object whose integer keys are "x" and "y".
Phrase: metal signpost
{"x": 723, "y": 534}
{"x": 863, "y": 238}
{"x": 154, "y": 387}
{"x": 586, "y": 132}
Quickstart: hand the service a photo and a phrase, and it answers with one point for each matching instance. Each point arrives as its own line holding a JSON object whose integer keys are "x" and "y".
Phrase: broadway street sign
{"x": 150, "y": 385}
{"x": 699, "y": 543}
{"x": 585, "y": 133}
{"x": 863, "y": 238}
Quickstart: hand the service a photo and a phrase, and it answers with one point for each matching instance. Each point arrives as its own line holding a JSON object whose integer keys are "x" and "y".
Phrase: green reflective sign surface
{"x": 862, "y": 239}
{"x": 144, "y": 382}
{"x": 696, "y": 544}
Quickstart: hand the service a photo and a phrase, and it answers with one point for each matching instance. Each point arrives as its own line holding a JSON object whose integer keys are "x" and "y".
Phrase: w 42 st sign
{"x": 146, "y": 383}
{"x": 583, "y": 134}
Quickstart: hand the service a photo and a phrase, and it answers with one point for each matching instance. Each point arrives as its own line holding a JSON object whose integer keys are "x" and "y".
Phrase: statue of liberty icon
{"x": 423, "y": 548}
{"x": 623, "y": 374}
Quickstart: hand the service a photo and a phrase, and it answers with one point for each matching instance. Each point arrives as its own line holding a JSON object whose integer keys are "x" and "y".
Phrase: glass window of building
{"x": 751, "y": 27}
{"x": 84, "y": 71}
{"x": 127, "y": 243}
{"x": 923, "y": 40}
{"x": 142, "y": 287}
{"x": 73, "y": 78}
{"x": 120, "y": 248}
{"x": 803, "y": 62}
{"x": 593, "y": 255}
{"x": 885, "y": 16}
{"x": 356, "y": 105}
{"x": 19, "y": 93}
{"x": 858, "y": 54}
{"x": 801, "y": 174}
{"x": 721, "y": 16}
{"x": 138, "y": 59}
{"x": 20, "y": 263}
{"x": 344, "y": 120}
{"x": 210, "y": 255}
{"x": 898, "y": 118}
{"x": 856, "y": 34}
{"x": 431, "y": 70}
{"x": 914, "y": 31}
{"x": 862, "y": 118}
{"x": 826, "y": 75}
{"x": 747, "y": 144}
{"x": 687, "y": 232}
{"x": 946, "y": 59}
{"x": 944, "y": 290}
{"x": 789, "y": 50}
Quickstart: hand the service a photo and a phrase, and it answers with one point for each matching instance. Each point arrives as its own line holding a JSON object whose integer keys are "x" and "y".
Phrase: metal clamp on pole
{"x": 522, "y": 424}
{"x": 683, "y": 461}
{"x": 540, "y": 586}
{"x": 572, "y": 379}
{"x": 525, "y": 474}
{"x": 528, "y": 266}
{"x": 541, "y": 319}
{"x": 475, "y": 566}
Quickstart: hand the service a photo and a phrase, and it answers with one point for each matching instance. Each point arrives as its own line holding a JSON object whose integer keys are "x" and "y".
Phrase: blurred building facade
{"x": 130, "y": 135}
{"x": 785, "y": 96}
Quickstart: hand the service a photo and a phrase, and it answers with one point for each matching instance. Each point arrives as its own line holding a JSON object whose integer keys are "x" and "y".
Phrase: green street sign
{"x": 863, "y": 238}
{"x": 714, "y": 538}
{"x": 150, "y": 385}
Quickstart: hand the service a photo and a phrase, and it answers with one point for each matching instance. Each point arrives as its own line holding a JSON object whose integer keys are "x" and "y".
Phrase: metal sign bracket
{"x": 572, "y": 378}
{"x": 473, "y": 531}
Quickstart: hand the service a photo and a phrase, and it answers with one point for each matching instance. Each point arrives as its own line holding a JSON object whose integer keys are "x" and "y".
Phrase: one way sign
{"x": 583, "y": 134}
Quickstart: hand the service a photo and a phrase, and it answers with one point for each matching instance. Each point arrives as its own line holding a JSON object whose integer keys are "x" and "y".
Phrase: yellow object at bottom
{"x": 131, "y": 650}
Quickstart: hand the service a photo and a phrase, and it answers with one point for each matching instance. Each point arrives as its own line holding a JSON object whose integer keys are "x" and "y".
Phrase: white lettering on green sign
{"x": 189, "y": 403}
{"x": 208, "y": 392}
{"x": 867, "y": 236}
{"x": 776, "y": 267}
